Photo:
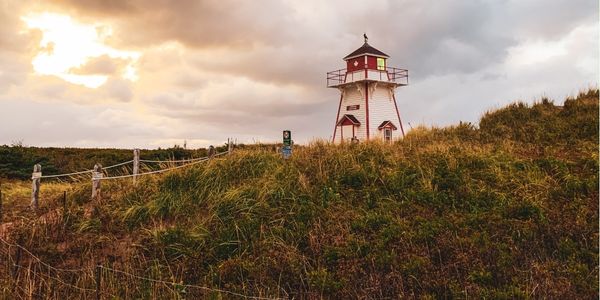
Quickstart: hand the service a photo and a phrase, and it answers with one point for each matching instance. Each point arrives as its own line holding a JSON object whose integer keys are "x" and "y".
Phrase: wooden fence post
{"x": 211, "y": 151}
{"x": 136, "y": 164}
{"x": 64, "y": 202}
{"x": 18, "y": 258}
{"x": 36, "y": 177}
{"x": 96, "y": 176}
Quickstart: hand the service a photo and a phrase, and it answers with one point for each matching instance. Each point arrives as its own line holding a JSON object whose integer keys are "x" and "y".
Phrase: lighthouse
{"x": 367, "y": 108}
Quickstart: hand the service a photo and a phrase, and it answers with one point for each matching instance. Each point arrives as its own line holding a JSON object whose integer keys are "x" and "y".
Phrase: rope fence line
{"x": 203, "y": 159}
{"x": 152, "y": 172}
{"x": 99, "y": 173}
{"x": 85, "y": 171}
{"x": 130, "y": 161}
{"x": 170, "y": 161}
{"x": 90, "y": 271}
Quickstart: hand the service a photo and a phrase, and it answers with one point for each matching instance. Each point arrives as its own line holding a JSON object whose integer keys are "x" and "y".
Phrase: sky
{"x": 155, "y": 73}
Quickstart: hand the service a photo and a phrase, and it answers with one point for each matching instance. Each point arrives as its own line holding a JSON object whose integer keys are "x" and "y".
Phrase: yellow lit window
{"x": 380, "y": 64}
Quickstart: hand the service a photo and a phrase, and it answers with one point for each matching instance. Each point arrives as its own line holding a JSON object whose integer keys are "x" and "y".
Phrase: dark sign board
{"x": 352, "y": 107}
{"x": 287, "y": 138}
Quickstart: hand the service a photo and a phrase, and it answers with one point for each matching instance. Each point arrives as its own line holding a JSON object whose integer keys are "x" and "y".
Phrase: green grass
{"x": 508, "y": 210}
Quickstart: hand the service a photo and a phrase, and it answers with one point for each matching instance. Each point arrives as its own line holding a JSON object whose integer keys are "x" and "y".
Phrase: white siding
{"x": 353, "y": 97}
{"x": 371, "y": 74}
{"x": 378, "y": 75}
{"x": 381, "y": 108}
{"x": 355, "y": 76}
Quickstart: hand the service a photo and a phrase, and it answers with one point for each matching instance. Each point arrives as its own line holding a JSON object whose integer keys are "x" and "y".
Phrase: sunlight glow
{"x": 534, "y": 52}
{"x": 67, "y": 45}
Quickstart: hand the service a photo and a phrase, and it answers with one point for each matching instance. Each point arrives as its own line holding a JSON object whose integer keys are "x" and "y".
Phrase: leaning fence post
{"x": 96, "y": 178}
{"x": 35, "y": 192}
{"x": 136, "y": 164}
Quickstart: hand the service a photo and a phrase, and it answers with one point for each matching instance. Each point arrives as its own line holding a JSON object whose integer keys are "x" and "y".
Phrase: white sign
{"x": 36, "y": 175}
{"x": 97, "y": 175}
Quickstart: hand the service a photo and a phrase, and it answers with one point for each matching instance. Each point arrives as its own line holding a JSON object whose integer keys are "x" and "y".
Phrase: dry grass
{"x": 445, "y": 213}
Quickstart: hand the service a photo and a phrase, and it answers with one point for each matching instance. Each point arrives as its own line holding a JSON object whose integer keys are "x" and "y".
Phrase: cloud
{"x": 211, "y": 70}
{"x": 101, "y": 65}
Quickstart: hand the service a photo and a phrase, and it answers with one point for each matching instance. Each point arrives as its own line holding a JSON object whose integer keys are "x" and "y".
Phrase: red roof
{"x": 366, "y": 49}
{"x": 387, "y": 124}
{"x": 348, "y": 120}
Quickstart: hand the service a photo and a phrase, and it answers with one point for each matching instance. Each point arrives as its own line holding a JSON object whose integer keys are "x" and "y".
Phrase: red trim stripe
{"x": 337, "y": 117}
{"x": 367, "y": 106}
{"x": 398, "y": 113}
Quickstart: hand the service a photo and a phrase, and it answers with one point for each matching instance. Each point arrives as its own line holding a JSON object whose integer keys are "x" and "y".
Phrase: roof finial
{"x": 366, "y": 38}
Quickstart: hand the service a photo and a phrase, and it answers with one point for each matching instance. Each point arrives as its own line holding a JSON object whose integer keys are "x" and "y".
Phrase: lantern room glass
{"x": 380, "y": 64}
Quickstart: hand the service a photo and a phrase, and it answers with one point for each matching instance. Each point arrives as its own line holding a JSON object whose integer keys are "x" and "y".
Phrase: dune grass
{"x": 506, "y": 210}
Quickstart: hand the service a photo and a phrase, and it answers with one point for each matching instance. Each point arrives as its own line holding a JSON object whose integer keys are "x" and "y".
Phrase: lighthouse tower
{"x": 368, "y": 108}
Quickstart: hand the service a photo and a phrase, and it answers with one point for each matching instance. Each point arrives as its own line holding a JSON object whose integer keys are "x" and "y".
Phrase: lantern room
{"x": 366, "y": 57}
{"x": 367, "y": 63}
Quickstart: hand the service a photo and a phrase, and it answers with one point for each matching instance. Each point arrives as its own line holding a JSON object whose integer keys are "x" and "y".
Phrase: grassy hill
{"x": 507, "y": 210}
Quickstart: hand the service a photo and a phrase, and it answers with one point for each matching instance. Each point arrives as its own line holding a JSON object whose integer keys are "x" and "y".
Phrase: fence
{"x": 88, "y": 280}
{"x": 28, "y": 273}
{"x": 98, "y": 172}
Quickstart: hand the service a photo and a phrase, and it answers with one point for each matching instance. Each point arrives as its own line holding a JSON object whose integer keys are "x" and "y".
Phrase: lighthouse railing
{"x": 390, "y": 74}
{"x": 399, "y": 76}
{"x": 336, "y": 77}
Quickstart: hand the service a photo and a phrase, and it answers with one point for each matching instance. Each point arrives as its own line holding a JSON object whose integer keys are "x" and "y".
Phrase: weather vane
{"x": 366, "y": 38}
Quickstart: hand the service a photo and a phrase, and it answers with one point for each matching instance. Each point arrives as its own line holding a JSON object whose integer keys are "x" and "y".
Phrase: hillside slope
{"x": 507, "y": 210}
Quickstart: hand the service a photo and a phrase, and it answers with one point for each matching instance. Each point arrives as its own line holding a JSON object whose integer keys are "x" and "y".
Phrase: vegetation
{"x": 507, "y": 210}
{"x": 16, "y": 161}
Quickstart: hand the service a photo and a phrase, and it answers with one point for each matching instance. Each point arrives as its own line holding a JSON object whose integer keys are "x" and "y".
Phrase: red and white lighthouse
{"x": 368, "y": 108}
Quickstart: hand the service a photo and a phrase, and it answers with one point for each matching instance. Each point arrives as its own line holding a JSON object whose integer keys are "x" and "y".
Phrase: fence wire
{"x": 203, "y": 159}
{"x": 191, "y": 160}
{"x": 85, "y": 171}
{"x": 91, "y": 271}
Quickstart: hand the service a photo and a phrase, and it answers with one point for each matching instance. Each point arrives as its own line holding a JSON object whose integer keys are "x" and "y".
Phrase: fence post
{"x": 64, "y": 202}
{"x": 35, "y": 192}
{"x": 18, "y": 258}
{"x": 228, "y": 146}
{"x": 96, "y": 176}
{"x": 211, "y": 151}
{"x": 136, "y": 164}
{"x": 98, "y": 283}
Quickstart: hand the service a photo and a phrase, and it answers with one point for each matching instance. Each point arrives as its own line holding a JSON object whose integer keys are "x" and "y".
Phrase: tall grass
{"x": 506, "y": 210}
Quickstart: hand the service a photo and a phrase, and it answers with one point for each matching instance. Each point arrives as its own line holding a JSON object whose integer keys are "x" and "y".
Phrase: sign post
{"x": 287, "y": 144}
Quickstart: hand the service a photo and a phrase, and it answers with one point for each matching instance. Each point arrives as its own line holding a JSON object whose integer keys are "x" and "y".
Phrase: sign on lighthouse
{"x": 367, "y": 108}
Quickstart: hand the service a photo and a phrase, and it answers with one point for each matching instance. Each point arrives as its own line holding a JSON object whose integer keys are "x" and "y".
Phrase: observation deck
{"x": 387, "y": 75}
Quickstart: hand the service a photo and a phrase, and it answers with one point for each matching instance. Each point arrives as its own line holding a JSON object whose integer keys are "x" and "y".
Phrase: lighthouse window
{"x": 380, "y": 64}
{"x": 387, "y": 134}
